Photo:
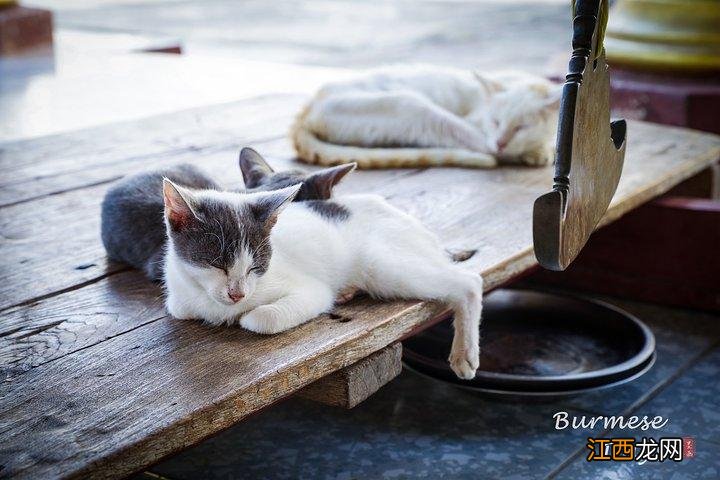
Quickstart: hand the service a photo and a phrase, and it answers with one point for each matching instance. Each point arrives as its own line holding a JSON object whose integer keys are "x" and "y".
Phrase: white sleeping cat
{"x": 233, "y": 257}
{"x": 425, "y": 116}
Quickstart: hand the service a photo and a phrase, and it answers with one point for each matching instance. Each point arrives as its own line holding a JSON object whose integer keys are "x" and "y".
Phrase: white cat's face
{"x": 520, "y": 119}
{"x": 223, "y": 239}
{"x": 230, "y": 285}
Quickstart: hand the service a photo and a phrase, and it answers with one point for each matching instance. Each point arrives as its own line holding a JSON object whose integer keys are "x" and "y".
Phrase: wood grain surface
{"x": 350, "y": 386}
{"x": 59, "y": 163}
{"x": 98, "y": 382}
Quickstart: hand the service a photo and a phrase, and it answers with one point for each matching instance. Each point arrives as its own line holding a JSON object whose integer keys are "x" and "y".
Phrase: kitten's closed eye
{"x": 217, "y": 266}
{"x": 507, "y": 137}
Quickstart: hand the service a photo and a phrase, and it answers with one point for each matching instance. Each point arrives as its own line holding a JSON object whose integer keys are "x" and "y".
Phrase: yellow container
{"x": 681, "y": 35}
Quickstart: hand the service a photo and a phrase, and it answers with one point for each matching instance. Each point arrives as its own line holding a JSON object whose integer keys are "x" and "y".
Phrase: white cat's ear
{"x": 322, "y": 182}
{"x": 488, "y": 84}
{"x": 178, "y": 205}
{"x": 270, "y": 204}
{"x": 254, "y": 168}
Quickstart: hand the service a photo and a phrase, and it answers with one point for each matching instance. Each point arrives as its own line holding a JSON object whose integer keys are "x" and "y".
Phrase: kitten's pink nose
{"x": 235, "y": 295}
{"x": 501, "y": 144}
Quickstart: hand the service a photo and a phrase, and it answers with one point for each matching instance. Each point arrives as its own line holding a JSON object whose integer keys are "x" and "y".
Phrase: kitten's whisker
{"x": 222, "y": 232}
{"x": 220, "y": 241}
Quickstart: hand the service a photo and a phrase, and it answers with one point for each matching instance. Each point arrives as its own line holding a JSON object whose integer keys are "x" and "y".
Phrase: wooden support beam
{"x": 350, "y": 386}
{"x": 705, "y": 184}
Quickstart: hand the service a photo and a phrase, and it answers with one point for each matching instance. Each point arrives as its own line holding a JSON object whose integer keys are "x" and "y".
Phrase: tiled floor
{"x": 414, "y": 428}
{"x": 417, "y": 428}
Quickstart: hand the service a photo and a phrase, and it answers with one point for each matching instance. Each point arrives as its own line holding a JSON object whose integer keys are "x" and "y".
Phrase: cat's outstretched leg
{"x": 431, "y": 279}
{"x": 467, "y": 306}
{"x": 304, "y": 302}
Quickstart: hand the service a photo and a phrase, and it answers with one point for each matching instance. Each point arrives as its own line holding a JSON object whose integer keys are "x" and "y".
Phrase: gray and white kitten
{"x": 270, "y": 264}
{"x": 132, "y": 225}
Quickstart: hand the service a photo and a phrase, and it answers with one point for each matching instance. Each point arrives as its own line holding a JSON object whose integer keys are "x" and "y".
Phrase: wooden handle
{"x": 589, "y": 151}
{"x": 602, "y": 20}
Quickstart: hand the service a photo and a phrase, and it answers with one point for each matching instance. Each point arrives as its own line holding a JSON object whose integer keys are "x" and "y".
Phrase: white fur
{"x": 378, "y": 249}
{"x": 420, "y": 115}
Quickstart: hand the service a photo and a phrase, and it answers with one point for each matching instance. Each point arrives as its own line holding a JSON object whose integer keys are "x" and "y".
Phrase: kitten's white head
{"x": 222, "y": 239}
{"x": 517, "y": 116}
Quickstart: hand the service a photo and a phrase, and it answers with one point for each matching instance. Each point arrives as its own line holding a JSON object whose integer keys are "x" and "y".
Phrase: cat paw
{"x": 265, "y": 319}
{"x": 535, "y": 159}
{"x": 465, "y": 362}
{"x": 346, "y": 295}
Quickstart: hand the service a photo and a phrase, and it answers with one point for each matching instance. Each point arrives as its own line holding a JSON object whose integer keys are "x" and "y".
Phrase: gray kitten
{"x": 132, "y": 221}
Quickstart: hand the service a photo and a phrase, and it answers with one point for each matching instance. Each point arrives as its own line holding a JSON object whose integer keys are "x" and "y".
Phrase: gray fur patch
{"x": 216, "y": 238}
{"x": 132, "y": 227}
{"x": 276, "y": 181}
{"x": 329, "y": 209}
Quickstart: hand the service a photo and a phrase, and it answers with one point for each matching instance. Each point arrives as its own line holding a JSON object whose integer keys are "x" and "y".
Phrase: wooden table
{"x": 98, "y": 382}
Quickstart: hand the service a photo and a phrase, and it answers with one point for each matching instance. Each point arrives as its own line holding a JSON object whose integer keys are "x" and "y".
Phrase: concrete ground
{"x": 341, "y": 33}
{"x": 233, "y": 50}
{"x": 414, "y": 427}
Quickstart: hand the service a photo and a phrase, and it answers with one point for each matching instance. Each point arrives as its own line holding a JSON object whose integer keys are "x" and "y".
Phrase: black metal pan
{"x": 542, "y": 344}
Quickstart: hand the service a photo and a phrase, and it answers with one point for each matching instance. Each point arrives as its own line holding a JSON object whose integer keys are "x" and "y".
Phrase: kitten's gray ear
{"x": 323, "y": 181}
{"x": 270, "y": 204}
{"x": 254, "y": 168}
{"x": 488, "y": 84}
{"x": 179, "y": 204}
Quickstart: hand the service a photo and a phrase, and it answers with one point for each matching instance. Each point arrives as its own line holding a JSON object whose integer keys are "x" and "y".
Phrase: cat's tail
{"x": 312, "y": 149}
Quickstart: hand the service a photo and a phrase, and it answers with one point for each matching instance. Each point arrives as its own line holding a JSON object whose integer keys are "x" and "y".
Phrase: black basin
{"x": 542, "y": 344}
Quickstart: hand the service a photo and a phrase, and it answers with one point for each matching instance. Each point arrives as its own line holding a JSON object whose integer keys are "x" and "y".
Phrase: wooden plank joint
{"x": 350, "y": 386}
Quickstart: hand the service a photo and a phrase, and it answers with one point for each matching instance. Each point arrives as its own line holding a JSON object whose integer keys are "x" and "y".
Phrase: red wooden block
{"x": 685, "y": 101}
{"x": 23, "y": 29}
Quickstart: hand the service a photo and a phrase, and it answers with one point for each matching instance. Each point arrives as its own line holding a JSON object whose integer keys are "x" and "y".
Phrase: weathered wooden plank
{"x": 113, "y": 402}
{"x": 489, "y": 210}
{"x": 50, "y": 165}
{"x": 467, "y": 208}
{"x": 51, "y": 245}
{"x": 108, "y": 410}
{"x": 36, "y": 263}
{"x": 52, "y": 328}
{"x": 350, "y": 386}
